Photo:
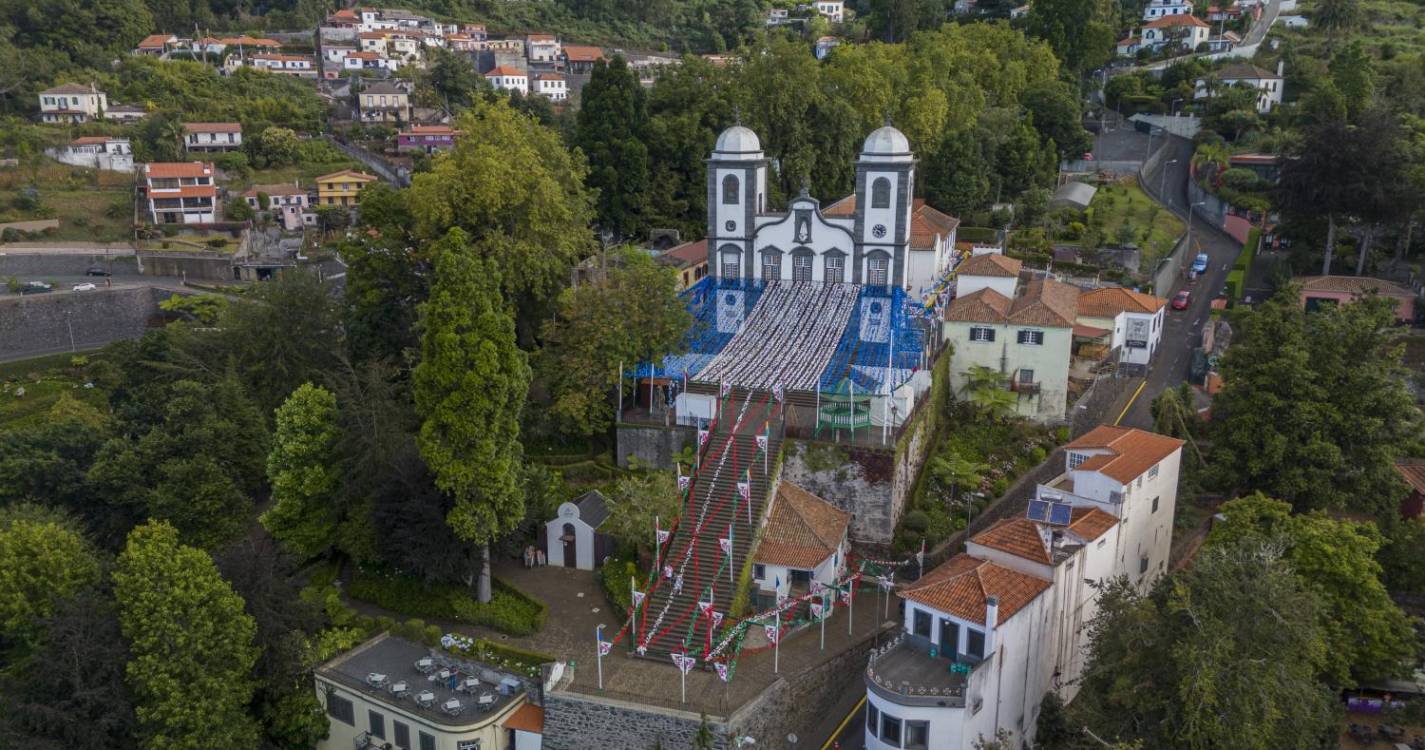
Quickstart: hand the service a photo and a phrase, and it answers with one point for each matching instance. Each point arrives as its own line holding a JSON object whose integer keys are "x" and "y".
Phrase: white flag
{"x": 772, "y": 633}
{"x": 704, "y": 607}
{"x": 667, "y": 571}
{"x": 678, "y": 584}
{"x": 684, "y": 663}
{"x": 724, "y": 389}
{"x": 663, "y": 536}
{"x": 702, "y": 438}
{"x": 716, "y": 618}
{"x": 721, "y": 670}
{"x": 762, "y": 442}
{"x": 605, "y": 647}
{"x": 778, "y": 393}
{"x": 744, "y": 489}
{"x": 885, "y": 582}
{"x": 816, "y": 610}
{"x": 637, "y": 598}
{"x": 726, "y": 544}
{"x": 642, "y": 650}
{"x": 846, "y": 595}
{"x": 683, "y": 483}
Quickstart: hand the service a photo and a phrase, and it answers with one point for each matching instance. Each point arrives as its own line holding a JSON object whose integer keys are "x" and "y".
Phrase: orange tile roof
{"x": 963, "y": 584}
{"x": 527, "y": 718}
{"x": 212, "y": 127}
{"x": 1046, "y": 302}
{"x": 686, "y": 254}
{"x": 179, "y": 169}
{"x": 549, "y": 77}
{"x": 346, "y": 173}
{"x": 539, "y": 37}
{"x": 576, "y": 53}
{"x": 981, "y": 306}
{"x": 990, "y": 264}
{"x": 86, "y": 140}
{"x": 844, "y": 207}
{"x": 802, "y": 529}
{"x": 429, "y": 130}
{"x": 1178, "y": 19}
{"x": 507, "y": 72}
{"x": 1108, "y": 302}
{"x": 156, "y": 40}
{"x": 1091, "y": 523}
{"x": 926, "y": 223}
{"x": 1352, "y": 285}
{"x": 249, "y": 41}
{"x": 1130, "y": 452}
{"x": 1018, "y": 536}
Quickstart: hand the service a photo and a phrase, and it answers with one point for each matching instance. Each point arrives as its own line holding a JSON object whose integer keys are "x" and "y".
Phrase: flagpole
{"x": 599, "y": 649}
{"x": 683, "y": 677}
{"x": 777, "y": 642}
{"x": 850, "y": 604}
{"x": 633, "y": 621}
{"x": 620, "y": 389}
{"x": 730, "y": 578}
{"x": 823, "y": 620}
{"x": 887, "y": 611}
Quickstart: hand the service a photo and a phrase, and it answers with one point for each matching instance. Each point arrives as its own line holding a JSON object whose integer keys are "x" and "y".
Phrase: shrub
{"x": 1000, "y": 486}
{"x": 614, "y": 577}
{"x": 916, "y": 521}
{"x": 977, "y": 234}
{"x": 1234, "y": 284}
{"x": 508, "y": 611}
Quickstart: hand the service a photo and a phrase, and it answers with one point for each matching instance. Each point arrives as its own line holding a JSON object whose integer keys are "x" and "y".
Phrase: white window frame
{"x": 982, "y": 334}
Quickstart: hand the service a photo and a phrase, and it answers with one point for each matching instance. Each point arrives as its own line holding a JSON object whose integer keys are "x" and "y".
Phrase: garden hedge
{"x": 509, "y": 610}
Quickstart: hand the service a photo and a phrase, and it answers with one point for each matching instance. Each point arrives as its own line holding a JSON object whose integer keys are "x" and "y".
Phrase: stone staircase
{"x": 673, "y": 619}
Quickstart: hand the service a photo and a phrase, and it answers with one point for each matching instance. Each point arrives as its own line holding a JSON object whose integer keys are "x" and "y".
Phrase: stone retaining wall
{"x": 573, "y": 721}
{"x": 47, "y": 264}
{"x": 44, "y": 323}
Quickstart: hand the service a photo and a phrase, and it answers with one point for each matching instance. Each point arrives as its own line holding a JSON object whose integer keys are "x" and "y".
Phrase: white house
{"x": 1161, "y": 8}
{"x": 289, "y": 203}
{"x": 1183, "y": 30}
{"x": 508, "y": 79}
{"x": 292, "y": 65}
{"x": 542, "y": 48}
{"x": 72, "y": 102}
{"x": 1027, "y": 338}
{"x": 989, "y": 632}
{"x": 390, "y": 692}
{"x": 1128, "y": 46}
{"x": 1131, "y": 322}
{"x": 803, "y": 540}
{"x": 831, "y": 10}
{"x": 552, "y": 85}
{"x": 824, "y": 46}
{"x": 1268, "y": 85}
{"x": 125, "y": 113}
{"x": 212, "y": 136}
{"x": 180, "y": 192}
{"x": 96, "y": 152}
{"x": 995, "y": 271}
{"x": 572, "y": 539}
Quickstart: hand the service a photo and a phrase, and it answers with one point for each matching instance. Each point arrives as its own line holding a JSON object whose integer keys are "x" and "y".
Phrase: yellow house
{"x": 341, "y": 188}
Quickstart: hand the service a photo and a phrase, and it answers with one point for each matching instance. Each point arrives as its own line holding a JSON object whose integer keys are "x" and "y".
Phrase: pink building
{"x": 1319, "y": 291}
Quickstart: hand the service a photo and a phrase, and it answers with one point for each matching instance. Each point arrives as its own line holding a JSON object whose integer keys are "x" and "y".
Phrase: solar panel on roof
{"x": 1060, "y": 514}
{"x": 1038, "y": 511}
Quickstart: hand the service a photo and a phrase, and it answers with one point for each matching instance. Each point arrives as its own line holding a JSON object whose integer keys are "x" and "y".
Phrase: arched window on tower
{"x": 881, "y": 193}
{"x": 729, "y": 190}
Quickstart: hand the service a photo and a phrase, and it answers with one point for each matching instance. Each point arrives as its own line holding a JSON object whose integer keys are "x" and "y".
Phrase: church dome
{"x": 886, "y": 144}
{"x": 737, "y": 141}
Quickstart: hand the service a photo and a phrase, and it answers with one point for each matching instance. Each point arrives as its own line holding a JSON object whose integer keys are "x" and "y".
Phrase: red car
{"x": 1180, "y": 300}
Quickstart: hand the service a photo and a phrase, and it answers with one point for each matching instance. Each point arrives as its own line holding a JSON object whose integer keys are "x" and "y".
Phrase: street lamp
{"x": 1162, "y": 182}
{"x": 1189, "y": 228}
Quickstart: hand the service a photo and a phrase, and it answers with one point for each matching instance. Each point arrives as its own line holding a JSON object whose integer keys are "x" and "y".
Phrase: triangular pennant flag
{"x": 846, "y": 595}
{"x": 684, "y": 482}
{"x": 704, "y": 607}
{"x": 816, "y": 609}
{"x": 761, "y": 442}
{"x": 605, "y": 647}
{"x": 744, "y": 489}
{"x": 702, "y": 438}
{"x": 725, "y": 543}
{"x": 772, "y": 634}
{"x": 663, "y": 536}
{"x": 637, "y": 598}
{"x": 721, "y": 670}
{"x": 716, "y": 618}
{"x": 778, "y": 393}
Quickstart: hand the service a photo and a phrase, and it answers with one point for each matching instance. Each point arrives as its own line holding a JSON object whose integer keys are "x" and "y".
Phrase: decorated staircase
{"x": 686, "y": 607}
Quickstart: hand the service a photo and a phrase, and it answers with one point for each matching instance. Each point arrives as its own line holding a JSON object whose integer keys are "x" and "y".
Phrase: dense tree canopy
{"x": 613, "y": 127}
{"x": 44, "y": 559}
{"x": 303, "y": 472}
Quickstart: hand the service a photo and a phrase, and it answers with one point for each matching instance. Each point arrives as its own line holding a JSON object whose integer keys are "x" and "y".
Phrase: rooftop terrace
{"x": 904, "y": 671}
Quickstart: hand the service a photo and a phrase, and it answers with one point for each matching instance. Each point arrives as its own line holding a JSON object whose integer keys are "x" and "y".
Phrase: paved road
{"x": 1260, "y": 29}
{"x": 1182, "y": 331}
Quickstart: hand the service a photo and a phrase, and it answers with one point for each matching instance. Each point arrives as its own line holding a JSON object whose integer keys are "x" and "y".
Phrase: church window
{"x": 771, "y": 266}
{"x": 835, "y": 270}
{"x": 730, "y": 190}
{"x": 731, "y": 267}
{"x": 877, "y": 272}
{"x": 801, "y": 268}
{"x": 881, "y": 193}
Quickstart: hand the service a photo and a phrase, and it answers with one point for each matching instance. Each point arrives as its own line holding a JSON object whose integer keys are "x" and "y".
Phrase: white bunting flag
{"x": 702, "y": 438}
{"x": 678, "y": 584}
{"x": 684, "y": 482}
{"x": 721, "y": 670}
{"x": 725, "y": 543}
{"x": 716, "y": 618}
{"x": 778, "y": 393}
{"x": 724, "y": 389}
{"x": 761, "y": 443}
{"x": 772, "y": 634}
{"x": 663, "y": 535}
{"x": 637, "y": 599}
{"x": 605, "y": 647}
{"x": 667, "y": 571}
{"x": 816, "y": 610}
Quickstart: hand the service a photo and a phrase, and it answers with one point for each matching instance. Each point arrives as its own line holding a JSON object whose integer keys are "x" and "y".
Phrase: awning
{"x": 528, "y": 718}
{"x": 1089, "y": 332}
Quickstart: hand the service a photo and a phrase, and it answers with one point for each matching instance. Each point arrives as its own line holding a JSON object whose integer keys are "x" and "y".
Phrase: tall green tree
{"x": 1171, "y": 668}
{"x": 1314, "y": 407}
{"x": 518, "y": 196}
{"x": 470, "y": 388}
{"x": 613, "y": 124}
{"x": 1367, "y": 636}
{"x": 1081, "y": 31}
{"x": 631, "y": 314}
{"x": 302, "y": 468}
{"x": 191, "y": 644}
{"x": 43, "y": 559}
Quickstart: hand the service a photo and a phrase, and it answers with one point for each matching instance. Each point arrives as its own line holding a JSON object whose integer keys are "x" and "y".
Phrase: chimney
{"x": 991, "y": 620}
{"x": 1281, "y": 67}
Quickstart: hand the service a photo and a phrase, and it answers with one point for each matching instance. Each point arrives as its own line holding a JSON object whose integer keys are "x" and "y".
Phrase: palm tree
{"x": 958, "y": 471}
{"x": 985, "y": 386}
{"x": 1173, "y": 415}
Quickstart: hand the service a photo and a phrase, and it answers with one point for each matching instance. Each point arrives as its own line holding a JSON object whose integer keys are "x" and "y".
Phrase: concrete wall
{"x": 47, "y": 264}
{"x": 652, "y": 446}
{"x": 860, "y": 481}
{"x": 42, "y": 324}
{"x": 1218, "y": 213}
{"x": 217, "y": 267}
{"x": 1170, "y": 268}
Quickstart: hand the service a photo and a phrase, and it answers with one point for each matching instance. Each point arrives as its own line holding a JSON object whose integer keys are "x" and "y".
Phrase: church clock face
{"x": 730, "y": 226}
{"x": 879, "y": 230}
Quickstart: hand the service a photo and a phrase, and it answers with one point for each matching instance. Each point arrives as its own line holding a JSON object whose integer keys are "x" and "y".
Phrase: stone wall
{"x": 42, "y": 324}
{"x": 873, "y": 484}
{"x": 798, "y": 704}
{"x": 56, "y": 264}
{"x": 573, "y": 721}
{"x": 214, "y": 267}
{"x": 653, "y": 446}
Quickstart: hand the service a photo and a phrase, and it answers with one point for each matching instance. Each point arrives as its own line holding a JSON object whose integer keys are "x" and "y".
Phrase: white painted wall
{"x": 583, "y": 538}
{"x": 1050, "y": 362}
{"x": 485, "y": 728}
{"x": 969, "y": 284}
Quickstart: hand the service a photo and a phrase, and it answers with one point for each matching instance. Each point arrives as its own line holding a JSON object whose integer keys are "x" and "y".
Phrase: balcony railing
{"x": 904, "y": 671}
{"x": 1025, "y": 387}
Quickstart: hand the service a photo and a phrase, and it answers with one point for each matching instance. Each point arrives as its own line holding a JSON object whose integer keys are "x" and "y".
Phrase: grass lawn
{"x": 303, "y": 174}
{"x": 1155, "y": 228}
{"x": 80, "y": 198}
{"x": 192, "y": 243}
{"x": 44, "y": 380}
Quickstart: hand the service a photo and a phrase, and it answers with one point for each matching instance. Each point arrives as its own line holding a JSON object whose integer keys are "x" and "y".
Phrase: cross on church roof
{"x": 806, "y": 185}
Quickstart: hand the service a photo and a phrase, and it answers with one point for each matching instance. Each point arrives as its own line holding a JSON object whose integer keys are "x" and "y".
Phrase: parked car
{"x": 85, "y": 287}
{"x": 1180, "y": 300}
{"x": 1200, "y": 263}
{"x": 35, "y": 287}
{"x": 97, "y": 271}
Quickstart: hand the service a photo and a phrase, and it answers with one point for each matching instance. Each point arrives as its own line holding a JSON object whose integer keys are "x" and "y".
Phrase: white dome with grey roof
{"x": 738, "y": 141}
{"x": 886, "y": 144}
